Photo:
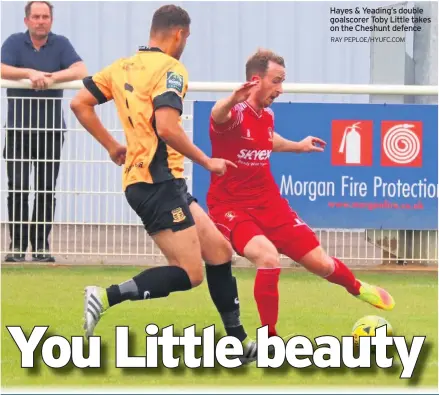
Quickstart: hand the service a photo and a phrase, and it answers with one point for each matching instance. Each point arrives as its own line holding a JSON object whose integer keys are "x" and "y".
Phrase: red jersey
{"x": 246, "y": 140}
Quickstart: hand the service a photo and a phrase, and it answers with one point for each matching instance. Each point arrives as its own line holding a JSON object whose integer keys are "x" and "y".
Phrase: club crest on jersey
{"x": 248, "y": 135}
{"x": 174, "y": 81}
{"x": 178, "y": 215}
{"x": 270, "y": 134}
{"x": 230, "y": 215}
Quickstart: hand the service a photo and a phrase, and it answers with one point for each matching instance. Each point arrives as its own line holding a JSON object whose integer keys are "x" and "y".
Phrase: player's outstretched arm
{"x": 221, "y": 111}
{"x": 170, "y": 131}
{"x": 308, "y": 144}
{"x": 83, "y": 106}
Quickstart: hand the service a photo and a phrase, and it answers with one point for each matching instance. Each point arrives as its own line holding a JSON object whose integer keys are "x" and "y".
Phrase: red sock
{"x": 344, "y": 277}
{"x": 267, "y": 297}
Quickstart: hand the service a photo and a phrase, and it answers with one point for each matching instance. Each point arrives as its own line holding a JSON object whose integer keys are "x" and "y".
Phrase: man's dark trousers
{"x": 40, "y": 151}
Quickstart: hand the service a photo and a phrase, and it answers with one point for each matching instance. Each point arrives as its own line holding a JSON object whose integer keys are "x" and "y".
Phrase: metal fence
{"x": 93, "y": 222}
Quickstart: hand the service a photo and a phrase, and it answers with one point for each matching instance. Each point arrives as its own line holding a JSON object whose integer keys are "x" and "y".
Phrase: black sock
{"x": 157, "y": 282}
{"x": 224, "y": 293}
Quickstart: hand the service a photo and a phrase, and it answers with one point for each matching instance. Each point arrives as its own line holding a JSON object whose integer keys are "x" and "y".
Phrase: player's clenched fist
{"x": 219, "y": 166}
{"x": 118, "y": 154}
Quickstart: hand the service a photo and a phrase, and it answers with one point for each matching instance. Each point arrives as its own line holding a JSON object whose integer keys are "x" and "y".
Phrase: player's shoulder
{"x": 236, "y": 120}
{"x": 122, "y": 64}
{"x": 238, "y": 113}
{"x": 176, "y": 70}
{"x": 170, "y": 71}
{"x": 116, "y": 64}
{"x": 269, "y": 112}
{"x": 240, "y": 107}
{"x": 164, "y": 63}
{"x": 177, "y": 63}
{"x": 175, "y": 76}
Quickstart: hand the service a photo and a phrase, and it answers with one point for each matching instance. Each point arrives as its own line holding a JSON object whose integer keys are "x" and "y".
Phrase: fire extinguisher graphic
{"x": 351, "y": 144}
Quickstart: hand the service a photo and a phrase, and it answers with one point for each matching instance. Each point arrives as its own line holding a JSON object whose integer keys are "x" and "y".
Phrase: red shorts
{"x": 278, "y": 223}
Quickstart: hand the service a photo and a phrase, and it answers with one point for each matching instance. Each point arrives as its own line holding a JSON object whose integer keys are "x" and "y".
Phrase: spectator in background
{"x": 35, "y": 126}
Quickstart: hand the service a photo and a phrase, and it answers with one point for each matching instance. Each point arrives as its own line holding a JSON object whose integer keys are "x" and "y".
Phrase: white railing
{"x": 354, "y": 89}
{"x": 93, "y": 223}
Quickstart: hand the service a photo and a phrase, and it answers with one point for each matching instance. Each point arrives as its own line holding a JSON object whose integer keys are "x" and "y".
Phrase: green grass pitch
{"x": 309, "y": 306}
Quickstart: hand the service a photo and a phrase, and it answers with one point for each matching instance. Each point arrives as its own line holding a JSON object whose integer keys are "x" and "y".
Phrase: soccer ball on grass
{"x": 367, "y": 325}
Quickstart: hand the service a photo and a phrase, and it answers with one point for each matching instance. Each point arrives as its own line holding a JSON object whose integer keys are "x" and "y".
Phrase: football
{"x": 367, "y": 325}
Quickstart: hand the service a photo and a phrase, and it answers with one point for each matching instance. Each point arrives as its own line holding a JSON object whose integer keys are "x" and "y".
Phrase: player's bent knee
{"x": 271, "y": 260}
{"x": 215, "y": 249}
{"x": 192, "y": 264}
{"x": 196, "y": 275}
{"x": 267, "y": 260}
{"x": 220, "y": 251}
{"x": 194, "y": 272}
{"x": 262, "y": 253}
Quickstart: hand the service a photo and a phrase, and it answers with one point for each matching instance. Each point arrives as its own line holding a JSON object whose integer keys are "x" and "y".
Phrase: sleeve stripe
{"x": 239, "y": 118}
{"x": 94, "y": 90}
{"x": 238, "y": 121}
{"x": 270, "y": 111}
{"x": 168, "y": 99}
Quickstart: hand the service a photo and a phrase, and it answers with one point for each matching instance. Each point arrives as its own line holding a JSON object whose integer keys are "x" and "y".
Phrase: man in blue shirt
{"x": 35, "y": 126}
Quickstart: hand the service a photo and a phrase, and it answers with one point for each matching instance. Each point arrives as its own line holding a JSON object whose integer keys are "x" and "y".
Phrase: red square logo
{"x": 351, "y": 143}
{"x": 401, "y": 143}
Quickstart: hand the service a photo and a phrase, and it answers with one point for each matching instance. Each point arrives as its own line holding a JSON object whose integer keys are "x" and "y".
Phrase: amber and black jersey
{"x": 139, "y": 85}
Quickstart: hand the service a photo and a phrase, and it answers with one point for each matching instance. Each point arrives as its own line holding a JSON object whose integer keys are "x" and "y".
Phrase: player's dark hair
{"x": 258, "y": 63}
{"x": 168, "y": 17}
{"x": 28, "y": 7}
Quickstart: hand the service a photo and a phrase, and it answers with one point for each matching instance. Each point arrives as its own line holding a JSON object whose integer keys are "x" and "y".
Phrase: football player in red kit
{"x": 245, "y": 203}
